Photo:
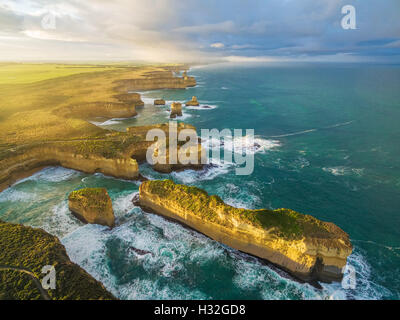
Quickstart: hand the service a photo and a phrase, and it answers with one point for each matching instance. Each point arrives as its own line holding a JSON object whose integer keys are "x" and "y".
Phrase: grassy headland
{"x": 25, "y": 251}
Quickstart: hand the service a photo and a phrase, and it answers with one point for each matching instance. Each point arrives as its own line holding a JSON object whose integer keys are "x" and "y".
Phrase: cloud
{"x": 217, "y": 45}
{"x": 191, "y": 30}
{"x": 48, "y": 35}
{"x": 222, "y": 27}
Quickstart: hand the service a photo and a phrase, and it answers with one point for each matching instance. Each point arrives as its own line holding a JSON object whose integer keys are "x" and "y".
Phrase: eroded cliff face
{"x": 176, "y": 110}
{"x": 37, "y": 158}
{"x": 109, "y": 152}
{"x": 130, "y": 98}
{"x": 155, "y": 80}
{"x": 99, "y": 109}
{"x": 307, "y": 248}
{"x": 124, "y": 107}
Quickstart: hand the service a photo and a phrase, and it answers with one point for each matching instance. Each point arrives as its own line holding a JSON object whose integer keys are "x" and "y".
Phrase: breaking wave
{"x": 243, "y": 144}
{"x": 343, "y": 171}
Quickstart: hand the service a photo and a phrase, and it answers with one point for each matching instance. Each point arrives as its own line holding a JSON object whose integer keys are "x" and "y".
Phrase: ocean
{"x": 329, "y": 146}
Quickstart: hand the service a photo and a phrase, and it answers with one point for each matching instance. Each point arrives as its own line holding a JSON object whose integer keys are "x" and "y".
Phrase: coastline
{"x": 160, "y": 78}
{"x": 232, "y": 196}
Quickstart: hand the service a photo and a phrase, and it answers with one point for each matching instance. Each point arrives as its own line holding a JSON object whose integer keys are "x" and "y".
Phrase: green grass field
{"x": 19, "y": 73}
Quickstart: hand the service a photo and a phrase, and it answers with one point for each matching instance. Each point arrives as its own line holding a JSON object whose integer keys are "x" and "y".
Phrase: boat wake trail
{"x": 313, "y": 130}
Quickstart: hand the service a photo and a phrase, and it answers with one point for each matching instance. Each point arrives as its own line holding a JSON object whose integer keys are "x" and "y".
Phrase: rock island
{"x": 92, "y": 205}
{"x": 308, "y": 248}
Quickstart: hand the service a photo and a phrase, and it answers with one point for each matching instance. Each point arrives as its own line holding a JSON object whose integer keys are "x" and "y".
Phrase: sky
{"x": 199, "y": 30}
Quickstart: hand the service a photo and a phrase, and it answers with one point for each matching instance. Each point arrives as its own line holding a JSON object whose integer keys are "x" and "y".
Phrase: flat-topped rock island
{"x": 308, "y": 248}
{"x": 92, "y": 205}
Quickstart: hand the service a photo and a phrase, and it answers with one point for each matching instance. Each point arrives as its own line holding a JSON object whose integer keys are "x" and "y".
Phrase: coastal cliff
{"x": 25, "y": 251}
{"x": 23, "y": 165}
{"x": 124, "y": 107}
{"x": 163, "y": 79}
{"x": 306, "y": 247}
{"x": 112, "y": 153}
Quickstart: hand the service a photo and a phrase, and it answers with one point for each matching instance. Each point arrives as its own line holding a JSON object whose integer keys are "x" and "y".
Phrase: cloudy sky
{"x": 197, "y": 30}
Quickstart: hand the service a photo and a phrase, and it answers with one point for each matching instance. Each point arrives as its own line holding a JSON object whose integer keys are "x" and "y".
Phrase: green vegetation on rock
{"x": 285, "y": 223}
{"x": 15, "y": 285}
{"x": 94, "y": 198}
{"x": 30, "y": 249}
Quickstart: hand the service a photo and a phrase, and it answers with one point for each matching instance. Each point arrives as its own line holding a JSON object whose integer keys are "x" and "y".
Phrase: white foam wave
{"x": 211, "y": 171}
{"x": 123, "y": 205}
{"x": 55, "y": 174}
{"x": 343, "y": 170}
{"x": 107, "y": 122}
{"x": 202, "y": 107}
{"x": 183, "y": 117}
{"x": 365, "y": 289}
{"x": 13, "y": 195}
{"x": 243, "y": 144}
{"x": 141, "y": 289}
{"x": 86, "y": 247}
{"x": 298, "y": 164}
{"x": 234, "y": 202}
{"x": 251, "y": 274}
{"x": 51, "y": 174}
{"x": 112, "y": 121}
{"x": 61, "y": 221}
{"x": 148, "y": 100}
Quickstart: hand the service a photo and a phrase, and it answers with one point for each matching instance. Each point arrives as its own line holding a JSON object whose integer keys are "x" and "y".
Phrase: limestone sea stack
{"x": 168, "y": 166}
{"x": 193, "y": 102}
{"x": 176, "y": 110}
{"x": 159, "y": 102}
{"x": 92, "y": 205}
{"x": 308, "y": 248}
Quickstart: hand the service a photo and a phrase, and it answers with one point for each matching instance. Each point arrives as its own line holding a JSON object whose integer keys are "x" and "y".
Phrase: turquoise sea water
{"x": 329, "y": 137}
